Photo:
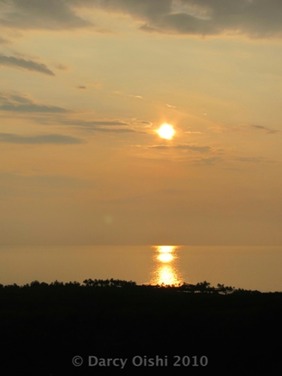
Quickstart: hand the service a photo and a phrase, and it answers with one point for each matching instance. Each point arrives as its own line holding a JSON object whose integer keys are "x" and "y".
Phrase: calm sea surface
{"x": 256, "y": 268}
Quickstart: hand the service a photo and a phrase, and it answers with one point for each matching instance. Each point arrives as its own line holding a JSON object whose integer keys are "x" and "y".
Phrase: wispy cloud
{"x": 30, "y": 65}
{"x": 114, "y": 130}
{"x": 256, "y": 18}
{"x": 22, "y": 103}
{"x": 253, "y": 160}
{"x": 185, "y": 147}
{"x": 208, "y": 161}
{"x": 115, "y": 126}
{"x": 132, "y": 96}
{"x": 94, "y": 123}
{"x": 3, "y": 40}
{"x": 136, "y": 96}
{"x": 11, "y": 183}
{"x": 193, "y": 132}
{"x": 202, "y": 155}
{"x": 264, "y": 129}
{"x": 40, "y": 14}
{"x": 170, "y": 106}
{"x": 39, "y": 139}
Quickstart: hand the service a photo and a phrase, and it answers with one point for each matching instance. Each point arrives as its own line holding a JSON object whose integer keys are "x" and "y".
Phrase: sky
{"x": 85, "y": 84}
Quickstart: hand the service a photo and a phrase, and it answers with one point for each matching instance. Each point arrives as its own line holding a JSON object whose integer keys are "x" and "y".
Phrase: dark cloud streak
{"x": 30, "y": 65}
{"x": 95, "y": 123}
{"x": 114, "y": 130}
{"x": 20, "y": 103}
{"x": 185, "y": 147}
{"x": 265, "y": 129}
{"x": 39, "y": 139}
{"x": 113, "y": 126}
{"x": 39, "y": 14}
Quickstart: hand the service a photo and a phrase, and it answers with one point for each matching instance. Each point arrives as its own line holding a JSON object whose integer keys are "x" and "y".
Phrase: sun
{"x": 166, "y": 131}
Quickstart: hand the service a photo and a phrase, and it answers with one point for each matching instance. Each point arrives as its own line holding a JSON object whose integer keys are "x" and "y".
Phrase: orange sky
{"x": 84, "y": 87}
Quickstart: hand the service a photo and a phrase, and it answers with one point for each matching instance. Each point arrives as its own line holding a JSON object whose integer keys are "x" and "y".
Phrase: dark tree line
{"x": 43, "y": 325}
{"x": 198, "y": 288}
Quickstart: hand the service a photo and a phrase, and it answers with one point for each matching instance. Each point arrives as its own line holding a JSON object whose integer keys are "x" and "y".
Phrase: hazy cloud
{"x": 195, "y": 154}
{"x": 13, "y": 183}
{"x": 25, "y": 64}
{"x": 114, "y": 130}
{"x": 116, "y": 126}
{"x": 193, "y": 132}
{"x": 264, "y": 129}
{"x": 136, "y": 96}
{"x": 194, "y": 148}
{"x": 94, "y": 123}
{"x": 3, "y": 41}
{"x": 249, "y": 159}
{"x": 62, "y": 67}
{"x": 208, "y": 161}
{"x": 39, "y": 14}
{"x": 257, "y": 18}
{"x": 20, "y": 103}
{"x": 171, "y": 106}
{"x": 39, "y": 139}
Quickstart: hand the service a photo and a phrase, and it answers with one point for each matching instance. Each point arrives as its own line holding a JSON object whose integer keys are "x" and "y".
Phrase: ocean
{"x": 246, "y": 267}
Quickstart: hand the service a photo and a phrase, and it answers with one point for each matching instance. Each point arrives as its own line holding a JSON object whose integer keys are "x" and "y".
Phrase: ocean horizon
{"x": 246, "y": 267}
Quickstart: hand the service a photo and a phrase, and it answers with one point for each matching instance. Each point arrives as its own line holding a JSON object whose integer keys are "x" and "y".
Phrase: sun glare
{"x": 166, "y": 131}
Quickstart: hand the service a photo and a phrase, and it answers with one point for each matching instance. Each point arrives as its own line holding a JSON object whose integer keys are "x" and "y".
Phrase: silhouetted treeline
{"x": 201, "y": 287}
{"x": 44, "y": 325}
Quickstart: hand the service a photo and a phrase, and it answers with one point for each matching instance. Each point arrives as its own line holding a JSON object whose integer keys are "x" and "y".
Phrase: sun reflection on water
{"x": 165, "y": 257}
{"x": 165, "y": 271}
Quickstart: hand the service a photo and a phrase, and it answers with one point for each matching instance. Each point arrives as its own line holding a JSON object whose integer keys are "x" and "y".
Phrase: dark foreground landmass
{"x": 111, "y": 327}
